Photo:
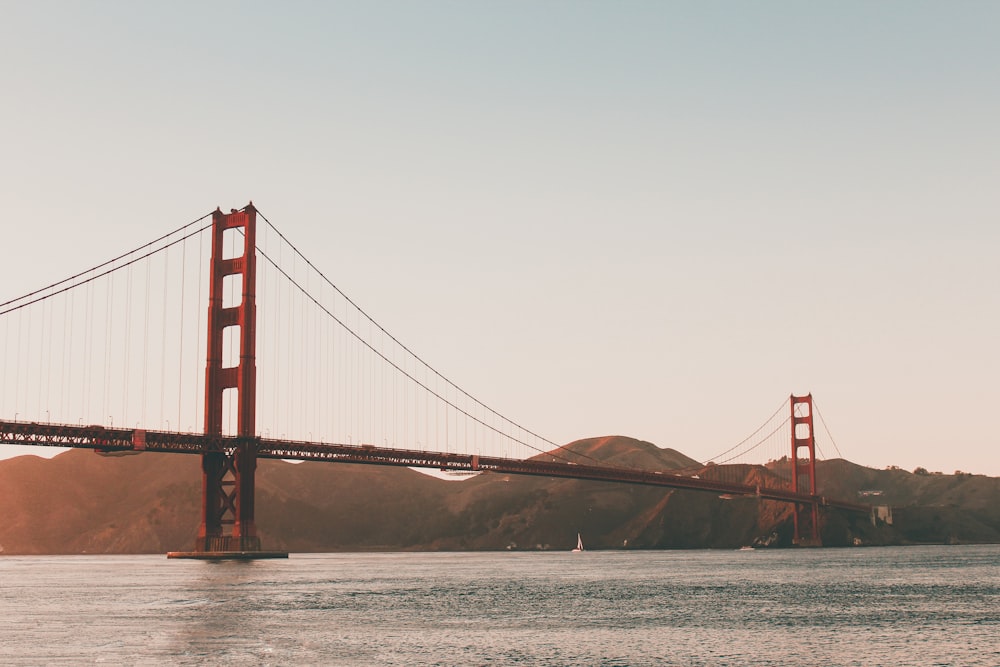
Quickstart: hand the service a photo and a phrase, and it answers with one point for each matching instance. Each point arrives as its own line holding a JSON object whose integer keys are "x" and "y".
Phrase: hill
{"x": 927, "y": 507}
{"x": 79, "y": 502}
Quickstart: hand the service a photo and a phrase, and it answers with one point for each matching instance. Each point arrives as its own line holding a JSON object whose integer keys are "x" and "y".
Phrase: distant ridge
{"x": 79, "y": 502}
{"x": 627, "y": 452}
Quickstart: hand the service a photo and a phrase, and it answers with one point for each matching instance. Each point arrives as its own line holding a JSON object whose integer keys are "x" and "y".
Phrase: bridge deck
{"x": 111, "y": 441}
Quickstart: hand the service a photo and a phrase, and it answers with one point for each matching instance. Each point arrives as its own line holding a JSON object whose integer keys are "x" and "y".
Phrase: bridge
{"x": 122, "y": 342}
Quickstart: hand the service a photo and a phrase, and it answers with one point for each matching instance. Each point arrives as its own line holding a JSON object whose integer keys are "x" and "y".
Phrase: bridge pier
{"x": 228, "y": 529}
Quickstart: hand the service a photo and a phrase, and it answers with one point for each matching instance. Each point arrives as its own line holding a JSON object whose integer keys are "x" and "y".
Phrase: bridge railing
{"x": 110, "y": 441}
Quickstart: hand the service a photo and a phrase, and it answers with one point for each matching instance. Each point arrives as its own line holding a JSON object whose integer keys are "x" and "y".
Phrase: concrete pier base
{"x": 227, "y": 555}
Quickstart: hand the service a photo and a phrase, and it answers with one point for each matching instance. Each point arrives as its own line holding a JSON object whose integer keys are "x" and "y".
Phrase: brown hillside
{"x": 150, "y": 503}
{"x": 928, "y": 507}
{"x": 79, "y": 502}
{"x": 624, "y": 452}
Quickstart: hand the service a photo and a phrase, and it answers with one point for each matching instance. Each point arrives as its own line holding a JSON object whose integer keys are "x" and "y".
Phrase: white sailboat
{"x": 579, "y": 544}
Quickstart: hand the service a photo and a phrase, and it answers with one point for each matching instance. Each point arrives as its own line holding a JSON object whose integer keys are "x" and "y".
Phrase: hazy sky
{"x": 652, "y": 219}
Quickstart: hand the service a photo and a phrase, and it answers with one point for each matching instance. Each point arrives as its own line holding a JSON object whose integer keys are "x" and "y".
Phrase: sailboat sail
{"x": 579, "y": 543}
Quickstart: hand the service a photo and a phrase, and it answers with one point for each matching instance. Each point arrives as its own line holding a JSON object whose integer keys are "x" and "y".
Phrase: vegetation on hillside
{"x": 79, "y": 502}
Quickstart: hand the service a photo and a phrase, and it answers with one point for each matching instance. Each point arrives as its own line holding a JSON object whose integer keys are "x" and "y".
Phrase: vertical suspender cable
{"x": 197, "y": 375}
{"x": 41, "y": 351}
{"x": 319, "y": 402}
{"x": 289, "y": 346}
{"x": 304, "y": 422}
{"x": 427, "y": 413}
{"x": 371, "y": 369}
{"x": 180, "y": 342}
{"x": 128, "y": 344}
{"x": 324, "y": 404}
{"x": 90, "y": 355}
{"x": 68, "y": 362}
{"x": 334, "y": 373}
{"x": 108, "y": 326}
{"x": 62, "y": 358}
{"x": 276, "y": 390}
{"x": 163, "y": 333}
{"x": 308, "y": 365}
{"x": 85, "y": 356}
{"x": 395, "y": 411}
{"x": 332, "y": 369}
{"x": 145, "y": 346}
{"x": 3, "y": 378}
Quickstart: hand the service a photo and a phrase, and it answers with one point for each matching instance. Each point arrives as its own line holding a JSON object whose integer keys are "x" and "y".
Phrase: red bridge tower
{"x": 227, "y": 527}
{"x": 805, "y": 516}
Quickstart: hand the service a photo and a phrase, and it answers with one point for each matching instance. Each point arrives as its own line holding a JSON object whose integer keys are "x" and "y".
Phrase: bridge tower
{"x": 228, "y": 529}
{"x": 805, "y": 516}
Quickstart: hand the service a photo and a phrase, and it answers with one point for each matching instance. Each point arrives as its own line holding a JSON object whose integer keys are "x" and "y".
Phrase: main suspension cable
{"x": 422, "y": 384}
{"x": 92, "y": 278}
{"x": 746, "y": 439}
{"x": 759, "y": 443}
{"x": 823, "y": 421}
{"x": 396, "y": 341}
{"x": 102, "y": 265}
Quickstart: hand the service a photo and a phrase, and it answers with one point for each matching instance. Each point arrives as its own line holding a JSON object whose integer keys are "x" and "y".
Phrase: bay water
{"x": 935, "y": 605}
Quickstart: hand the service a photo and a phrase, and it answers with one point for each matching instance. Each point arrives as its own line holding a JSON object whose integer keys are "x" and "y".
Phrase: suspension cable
{"x": 96, "y": 276}
{"x": 103, "y": 264}
{"x": 424, "y": 385}
{"x": 758, "y": 430}
{"x": 759, "y": 443}
{"x": 413, "y": 354}
{"x": 823, "y": 421}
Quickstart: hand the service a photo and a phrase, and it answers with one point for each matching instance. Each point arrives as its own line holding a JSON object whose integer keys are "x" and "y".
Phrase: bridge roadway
{"x": 123, "y": 441}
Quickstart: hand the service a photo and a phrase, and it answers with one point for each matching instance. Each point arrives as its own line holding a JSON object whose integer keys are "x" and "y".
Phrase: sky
{"x": 653, "y": 219}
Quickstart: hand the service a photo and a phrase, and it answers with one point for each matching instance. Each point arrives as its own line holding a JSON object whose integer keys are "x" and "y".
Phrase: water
{"x": 891, "y": 606}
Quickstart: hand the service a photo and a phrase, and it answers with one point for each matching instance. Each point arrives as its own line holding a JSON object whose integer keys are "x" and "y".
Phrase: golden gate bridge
{"x": 111, "y": 359}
